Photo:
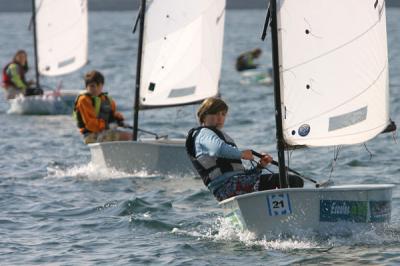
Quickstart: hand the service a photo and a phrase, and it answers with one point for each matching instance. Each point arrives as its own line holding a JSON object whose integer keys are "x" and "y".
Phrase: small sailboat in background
{"x": 250, "y": 72}
{"x": 331, "y": 88}
{"x": 60, "y": 31}
{"x": 179, "y": 63}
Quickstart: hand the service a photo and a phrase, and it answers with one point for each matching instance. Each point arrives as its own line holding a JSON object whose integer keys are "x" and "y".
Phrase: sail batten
{"x": 62, "y": 35}
{"x": 333, "y": 71}
{"x": 182, "y": 52}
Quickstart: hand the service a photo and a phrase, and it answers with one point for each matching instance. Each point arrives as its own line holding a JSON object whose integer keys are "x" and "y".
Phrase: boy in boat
{"x": 95, "y": 113}
{"x": 218, "y": 160}
{"x": 245, "y": 61}
{"x": 14, "y": 81}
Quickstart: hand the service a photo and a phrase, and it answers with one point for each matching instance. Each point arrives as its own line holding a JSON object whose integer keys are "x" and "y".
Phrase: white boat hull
{"x": 332, "y": 210}
{"x": 256, "y": 77}
{"x": 165, "y": 157}
{"x": 51, "y": 103}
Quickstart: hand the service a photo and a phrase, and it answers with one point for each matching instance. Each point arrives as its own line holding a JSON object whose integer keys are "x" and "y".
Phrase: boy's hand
{"x": 247, "y": 155}
{"x": 266, "y": 159}
{"x": 118, "y": 116}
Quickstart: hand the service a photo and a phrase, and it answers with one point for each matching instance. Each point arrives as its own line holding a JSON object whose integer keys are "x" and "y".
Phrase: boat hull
{"x": 255, "y": 77}
{"x": 51, "y": 103}
{"x": 165, "y": 157}
{"x": 331, "y": 210}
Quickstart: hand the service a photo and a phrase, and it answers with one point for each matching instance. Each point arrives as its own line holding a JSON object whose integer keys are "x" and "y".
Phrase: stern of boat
{"x": 336, "y": 209}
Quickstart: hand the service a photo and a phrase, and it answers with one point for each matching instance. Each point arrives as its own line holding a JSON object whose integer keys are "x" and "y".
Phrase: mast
{"x": 277, "y": 93}
{"x": 138, "y": 70}
{"x": 35, "y": 43}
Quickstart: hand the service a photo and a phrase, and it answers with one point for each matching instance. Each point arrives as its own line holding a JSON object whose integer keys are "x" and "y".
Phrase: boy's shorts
{"x": 104, "y": 136}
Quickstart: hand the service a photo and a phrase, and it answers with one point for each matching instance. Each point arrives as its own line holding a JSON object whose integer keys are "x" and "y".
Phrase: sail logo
{"x": 343, "y": 210}
{"x": 279, "y": 204}
{"x": 304, "y": 130}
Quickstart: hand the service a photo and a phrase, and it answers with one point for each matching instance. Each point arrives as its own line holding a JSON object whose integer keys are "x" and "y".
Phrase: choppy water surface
{"x": 57, "y": 209}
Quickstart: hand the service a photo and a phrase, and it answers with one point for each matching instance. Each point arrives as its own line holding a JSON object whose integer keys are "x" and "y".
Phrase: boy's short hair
{"x": 94, "y": 76}
{"x": 211, "y": 106}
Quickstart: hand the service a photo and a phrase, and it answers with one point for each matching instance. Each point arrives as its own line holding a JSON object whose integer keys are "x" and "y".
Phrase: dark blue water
{"x": 57, "y": 209}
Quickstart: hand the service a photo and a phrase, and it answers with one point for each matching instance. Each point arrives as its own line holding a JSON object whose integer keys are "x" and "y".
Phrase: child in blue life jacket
{"x": 218, "y": 160}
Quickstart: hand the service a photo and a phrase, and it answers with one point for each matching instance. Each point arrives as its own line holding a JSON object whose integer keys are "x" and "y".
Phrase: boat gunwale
{"x": 160, "y": 142}
{"x": 338, "y": 188}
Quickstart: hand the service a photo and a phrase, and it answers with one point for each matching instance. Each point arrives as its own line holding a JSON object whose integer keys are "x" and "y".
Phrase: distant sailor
{"x": 95, "y": 113}
{"x": 14, "y": 81}
{"x": 218, "y": 160}
{"x": 245, "y": 61}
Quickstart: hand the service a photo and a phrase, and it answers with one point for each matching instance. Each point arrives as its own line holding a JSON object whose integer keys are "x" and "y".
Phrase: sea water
{"x": 58, "y": 209}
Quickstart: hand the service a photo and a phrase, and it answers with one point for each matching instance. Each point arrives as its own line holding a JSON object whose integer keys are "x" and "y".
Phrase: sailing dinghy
{"x": 331, "y": 88}
{"x": 179, "y": 63}
{"x": 60, "y": 31}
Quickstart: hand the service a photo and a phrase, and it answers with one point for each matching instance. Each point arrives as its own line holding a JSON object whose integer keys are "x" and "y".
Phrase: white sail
{"x": 62, "y": 35}
{"x": 182, "y": 51}
{"x": 334, "y": 71}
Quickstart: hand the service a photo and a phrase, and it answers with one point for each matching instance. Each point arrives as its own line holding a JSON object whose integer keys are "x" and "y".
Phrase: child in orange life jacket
{"x": 96, "y": 115}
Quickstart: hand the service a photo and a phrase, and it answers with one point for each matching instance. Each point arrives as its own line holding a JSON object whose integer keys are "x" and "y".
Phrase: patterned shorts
{"x": 250, "y": 182}
{"x": 237, "y": 185}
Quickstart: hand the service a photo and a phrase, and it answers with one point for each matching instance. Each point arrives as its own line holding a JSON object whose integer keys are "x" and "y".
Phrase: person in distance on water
{"x": 245, "y": 61}
{"x": 95, "y": 112}
{"x": 218, "y": 160}
{"x": 14, "y": 81}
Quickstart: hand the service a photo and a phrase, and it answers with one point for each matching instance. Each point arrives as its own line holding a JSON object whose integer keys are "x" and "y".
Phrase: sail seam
{"x": 333, "y": 50}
